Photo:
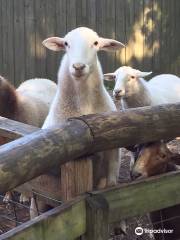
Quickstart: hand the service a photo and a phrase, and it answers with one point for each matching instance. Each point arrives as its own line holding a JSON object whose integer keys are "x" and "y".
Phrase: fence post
{"x": 97, "y": 210}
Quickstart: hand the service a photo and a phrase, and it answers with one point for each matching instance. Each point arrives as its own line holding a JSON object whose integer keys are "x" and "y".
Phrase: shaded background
{"x": 150, "y": 28}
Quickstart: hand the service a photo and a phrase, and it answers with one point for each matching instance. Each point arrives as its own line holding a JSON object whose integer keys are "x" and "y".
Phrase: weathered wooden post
{"x": 97, "y": 218}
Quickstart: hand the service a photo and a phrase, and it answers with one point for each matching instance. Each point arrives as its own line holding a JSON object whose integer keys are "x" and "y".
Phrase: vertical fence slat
{"x": 30, "y": 39}
{"x": 101, "y": 28}
{"x": 1, "y": 40}
{"x": 165, "y": 55}
{"x": 19, "y": 41}
{"x": 137, "y": 44}
{"x": 81, "y": 13}
{"x": 71, "y": 15}
{"x": 120, "y": 31}
{"x": 110, "y": 32}
{"x": 129, "y": 13}
{"x": 91, "y": 10}
{"x": 156, "y": 36}
{"x": 97, "y": 218}
{"x": 148, "y": 44}
{"x": 40, "y": 31}
{"x": 51, "y": 57}
{"x": 176, "y": 36}
{"x": 7, "y": 54}
{"x": 61, "y": 25}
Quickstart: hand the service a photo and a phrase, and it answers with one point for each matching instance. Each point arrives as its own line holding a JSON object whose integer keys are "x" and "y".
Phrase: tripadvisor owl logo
{"x": 139, "y": 231}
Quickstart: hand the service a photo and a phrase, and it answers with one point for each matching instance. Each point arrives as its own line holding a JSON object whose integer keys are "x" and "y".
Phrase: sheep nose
{"x": 135, "y": 175}
{"x": 79, "y": 66}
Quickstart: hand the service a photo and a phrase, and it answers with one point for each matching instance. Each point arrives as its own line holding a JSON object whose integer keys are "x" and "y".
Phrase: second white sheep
{"x": 134, "y": 91}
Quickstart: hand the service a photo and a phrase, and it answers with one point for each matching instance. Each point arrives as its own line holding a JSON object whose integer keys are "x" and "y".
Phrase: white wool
{"x": 85, "y": 94}
{"x": 136, "y": 92}
{"x": 40, "y": 88}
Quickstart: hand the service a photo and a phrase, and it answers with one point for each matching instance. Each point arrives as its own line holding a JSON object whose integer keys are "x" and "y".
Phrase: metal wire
{"x": 14, "y": 203}
{"x": 10, "y": 219}
{"x": 49, "y": 198}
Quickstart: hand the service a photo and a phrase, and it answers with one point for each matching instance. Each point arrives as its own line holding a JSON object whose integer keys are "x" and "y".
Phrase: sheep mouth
{"x": 117, "y": 97}
{"x": 78, "y": 75}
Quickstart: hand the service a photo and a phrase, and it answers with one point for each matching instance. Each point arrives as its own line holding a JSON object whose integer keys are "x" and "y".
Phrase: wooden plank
{"x": 163, "y": 63}
{"x": 143, "y": 196}
{"x": 4, "y": 39}
{"x": 110, "y": 33}
{"x": 19, "y": 42}
{"x": 177, "y": 39}
{"x": 97, "y": 218}
{"x": 61, "y": 8}
{"x": 129, "y": 21}
{"x": 12, "y": 130}
{"x": 61, "y": 22}
{"x": 120, "y": 31}
{"x": 51, "y": 58}
{"x": 76, "y": 178}
{"x": 29, "y": 39}
{"x": 156, "y": 37}
{"x": 79, "y": 13}
{"x": 100, "y": 28}
{"x": 84, "y": 13}
{"x": 71, "y": 15}
{"x": 174, "y": 39}
{"x": 40, "y": 32}
{"x": 148, "y": 35}
{"x": 138, "y": 31}
{"x": 8, "y": 41}
{"x": 1, "y": 40}
{"x": 66, "y": 222}
{"x": 91, "y": 9}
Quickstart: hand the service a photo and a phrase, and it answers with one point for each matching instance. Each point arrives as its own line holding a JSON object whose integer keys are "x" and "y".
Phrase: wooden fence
{"x": 150, "y": 28}
{"x": 90, "y": 214}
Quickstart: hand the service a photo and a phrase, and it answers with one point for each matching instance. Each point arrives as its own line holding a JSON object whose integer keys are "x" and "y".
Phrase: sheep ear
{"x": 109, "y": 44}
{"x": 143, "y": 74}
{"x": 54, "y": 43}
{"x": 110, "y": 77}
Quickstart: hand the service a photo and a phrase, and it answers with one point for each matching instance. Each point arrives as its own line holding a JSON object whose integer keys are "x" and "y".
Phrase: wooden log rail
{"x": 12, "y": 130}
{"x": 37, "y": 153}
{"x": 90, "y": 214}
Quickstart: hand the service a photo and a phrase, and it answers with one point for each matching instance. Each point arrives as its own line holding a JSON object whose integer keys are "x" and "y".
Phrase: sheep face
{"x": 126, "y": 81}
{"x": 81, "y": 46}
{"x": 152, "y": 159}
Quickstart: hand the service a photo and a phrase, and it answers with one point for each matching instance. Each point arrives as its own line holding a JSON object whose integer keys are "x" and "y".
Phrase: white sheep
{"x": 134, "y": 91}
{"x": 80, "y": 82}
{"x": 29, "y": 103}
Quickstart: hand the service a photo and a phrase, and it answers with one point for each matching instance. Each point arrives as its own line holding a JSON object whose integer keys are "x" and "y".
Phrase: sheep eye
{"x": 96, "y": 43}
{"x": 66, "y": 44}
{"x": 132, "y": 77}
